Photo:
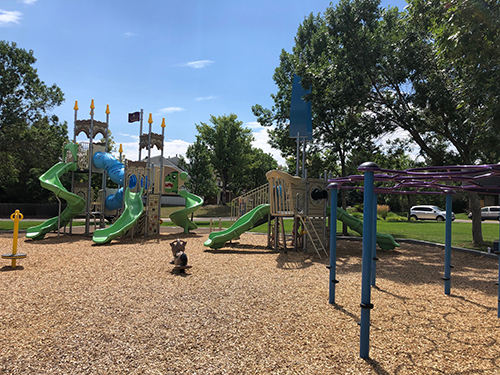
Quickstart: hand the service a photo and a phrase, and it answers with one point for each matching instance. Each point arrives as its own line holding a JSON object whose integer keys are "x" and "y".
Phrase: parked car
{"x": 428, "y": 212}
{"x": 488, "y": 213}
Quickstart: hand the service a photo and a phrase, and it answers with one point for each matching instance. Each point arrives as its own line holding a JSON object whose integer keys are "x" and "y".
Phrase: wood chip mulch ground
{"x": 77, "y": 308}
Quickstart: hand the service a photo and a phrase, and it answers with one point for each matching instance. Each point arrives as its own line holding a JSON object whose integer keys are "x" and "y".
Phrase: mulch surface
{"x": 72, "y": 307}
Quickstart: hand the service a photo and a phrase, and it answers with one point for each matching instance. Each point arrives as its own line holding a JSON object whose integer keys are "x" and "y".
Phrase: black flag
{"x": 133, "y": 117}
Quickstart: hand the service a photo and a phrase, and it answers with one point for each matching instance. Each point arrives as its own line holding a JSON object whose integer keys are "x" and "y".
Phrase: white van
{"x": 488, "y": 213}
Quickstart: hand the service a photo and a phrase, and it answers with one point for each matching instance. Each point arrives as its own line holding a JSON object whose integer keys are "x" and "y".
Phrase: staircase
{"x": 314, "y": 230}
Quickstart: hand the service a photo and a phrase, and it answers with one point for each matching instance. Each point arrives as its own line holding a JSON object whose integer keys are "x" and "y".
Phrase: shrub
{"x": 382, "y": 210}
{"x": 358, "y": 207}
{"x": 396, "y": 217}
{"x": 358, "y": 215}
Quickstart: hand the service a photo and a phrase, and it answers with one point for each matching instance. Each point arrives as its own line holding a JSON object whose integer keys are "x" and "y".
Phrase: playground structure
{"x": 285, "y": 196}
{"x": 303, "y": 200}
{"x": 426, "y": 180}
{"x": 125, "y": 205}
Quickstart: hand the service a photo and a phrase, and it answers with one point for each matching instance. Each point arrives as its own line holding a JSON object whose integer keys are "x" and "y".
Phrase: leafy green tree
{"x": 327, "y": 55}
{"x": 198, "y": 165}
{"x": 31, "y": 140}
{"x": 458, "y": 89}
{"x": 337, "y": 77}
{"x": 431, "y": 71}
{"x": 229, "y": 145}
{"x": 259, "y": 164}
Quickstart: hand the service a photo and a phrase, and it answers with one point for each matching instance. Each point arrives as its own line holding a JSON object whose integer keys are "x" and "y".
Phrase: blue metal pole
{"x": 374, "y": 241}
{"x": 498, "y": 299}
{"x": 498, "y": 303}
{"x": 333, "y": 241}
{"x": 447, "y": 247}
{"x": 366, "y": 306}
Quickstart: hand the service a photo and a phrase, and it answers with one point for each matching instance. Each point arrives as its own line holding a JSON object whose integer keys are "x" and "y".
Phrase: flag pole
{"x": 162, "y": 182}
{"x": 148, "y": 172}
{"x": 90, "y": 196}
{"x": 140, "y": 134}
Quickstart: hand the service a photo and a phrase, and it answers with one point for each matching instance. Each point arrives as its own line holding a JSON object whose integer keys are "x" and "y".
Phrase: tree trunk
{"x": 477, "y": 231}
{"x": 224, "y": 190}
{"x": 408, "y": 209}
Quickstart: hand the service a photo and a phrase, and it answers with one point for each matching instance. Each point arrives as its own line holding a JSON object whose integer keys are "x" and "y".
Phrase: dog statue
{"x": 180, "y": 257}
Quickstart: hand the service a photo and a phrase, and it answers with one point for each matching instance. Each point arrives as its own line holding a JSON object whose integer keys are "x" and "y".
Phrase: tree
{"x": 229, "y": 146}
{"x": 31, "y": 140}
{"x": 201, "y": 173}
{"x": 374, "y": 70}
{"x": 259, "y": 164}
{"x": 328, "y": 56}
{"x": 460, "y": 86}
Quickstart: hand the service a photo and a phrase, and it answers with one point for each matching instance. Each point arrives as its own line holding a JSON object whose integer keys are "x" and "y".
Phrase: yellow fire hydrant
{"x": 16, "y": 216}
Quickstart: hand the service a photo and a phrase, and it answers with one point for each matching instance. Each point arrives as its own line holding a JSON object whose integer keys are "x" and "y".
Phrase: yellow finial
{"x": 150, "y": 118}
{"x": 107, "y": 109}
{"x": 76, "y": 105}
{"x": 163, "y": 122}
{"x": 121, "y": 148}
{"x": 92, "y": 104}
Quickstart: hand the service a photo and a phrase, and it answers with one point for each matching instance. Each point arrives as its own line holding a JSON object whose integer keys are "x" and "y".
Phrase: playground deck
{"x": 76, "y": 307}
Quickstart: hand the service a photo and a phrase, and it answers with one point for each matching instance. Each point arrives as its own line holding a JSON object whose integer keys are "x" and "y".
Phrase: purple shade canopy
{"x": 427, "y": 180}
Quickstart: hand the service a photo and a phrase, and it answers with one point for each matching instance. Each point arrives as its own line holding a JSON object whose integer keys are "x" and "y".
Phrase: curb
{"x": 427, "y": 243}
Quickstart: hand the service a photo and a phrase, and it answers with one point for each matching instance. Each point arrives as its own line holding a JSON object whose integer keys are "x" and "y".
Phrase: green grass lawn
{"x": 431, "y": 231}
{"x": 203, "y": 211}
{"x": 461, "y": 233}
{"x": 25, "y": 224}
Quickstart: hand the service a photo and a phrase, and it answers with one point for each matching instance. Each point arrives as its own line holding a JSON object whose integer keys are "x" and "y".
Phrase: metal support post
{"x": 447, "y": 246}
{"x": 333, "y": 241}
{"x": 366, "y": 305}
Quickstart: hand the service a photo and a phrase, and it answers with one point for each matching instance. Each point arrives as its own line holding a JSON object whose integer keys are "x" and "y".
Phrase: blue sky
{"x": 179, "y": 60}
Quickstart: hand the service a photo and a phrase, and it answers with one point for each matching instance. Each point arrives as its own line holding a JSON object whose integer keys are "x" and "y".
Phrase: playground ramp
{"x": 75, "y": 204}
{"x": 251, "y": 219}
{"x": 385, "y": 241}
{"x": 134, "y": 208}
{"x": 181, "y": 217}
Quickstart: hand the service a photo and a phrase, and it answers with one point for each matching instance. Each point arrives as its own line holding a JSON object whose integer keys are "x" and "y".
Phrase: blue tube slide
{"x": 116, "y": 172}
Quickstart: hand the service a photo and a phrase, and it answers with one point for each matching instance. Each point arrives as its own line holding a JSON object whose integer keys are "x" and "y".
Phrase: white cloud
{"x": 130, "y": 150}
{"x": 128, "y": 34}
{"x": 28, "y": 2}
{"x": 261, "y": 141}
{"x": 401, "y": 134}
{"x": 202, "y": 98}
{"x": 170, "y": 110}
{"x": 9, "y": 17}
{"x": 253, "y": 125}
{"x": 197, "y": 64}
{"x": 171, "y": 148}
{"x": 174, "y": 147}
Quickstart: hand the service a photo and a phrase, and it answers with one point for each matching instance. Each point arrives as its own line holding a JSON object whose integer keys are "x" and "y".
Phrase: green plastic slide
{"x": 181, "y": 217}
{"x": 75, "y": 204}
{"x": 134, "y": 208}
{"x": 385, "y": 241}
{"x": 252, "y": 218}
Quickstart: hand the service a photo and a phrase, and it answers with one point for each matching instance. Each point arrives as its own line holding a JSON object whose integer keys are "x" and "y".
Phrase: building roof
{"x": 169, "y": 161}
